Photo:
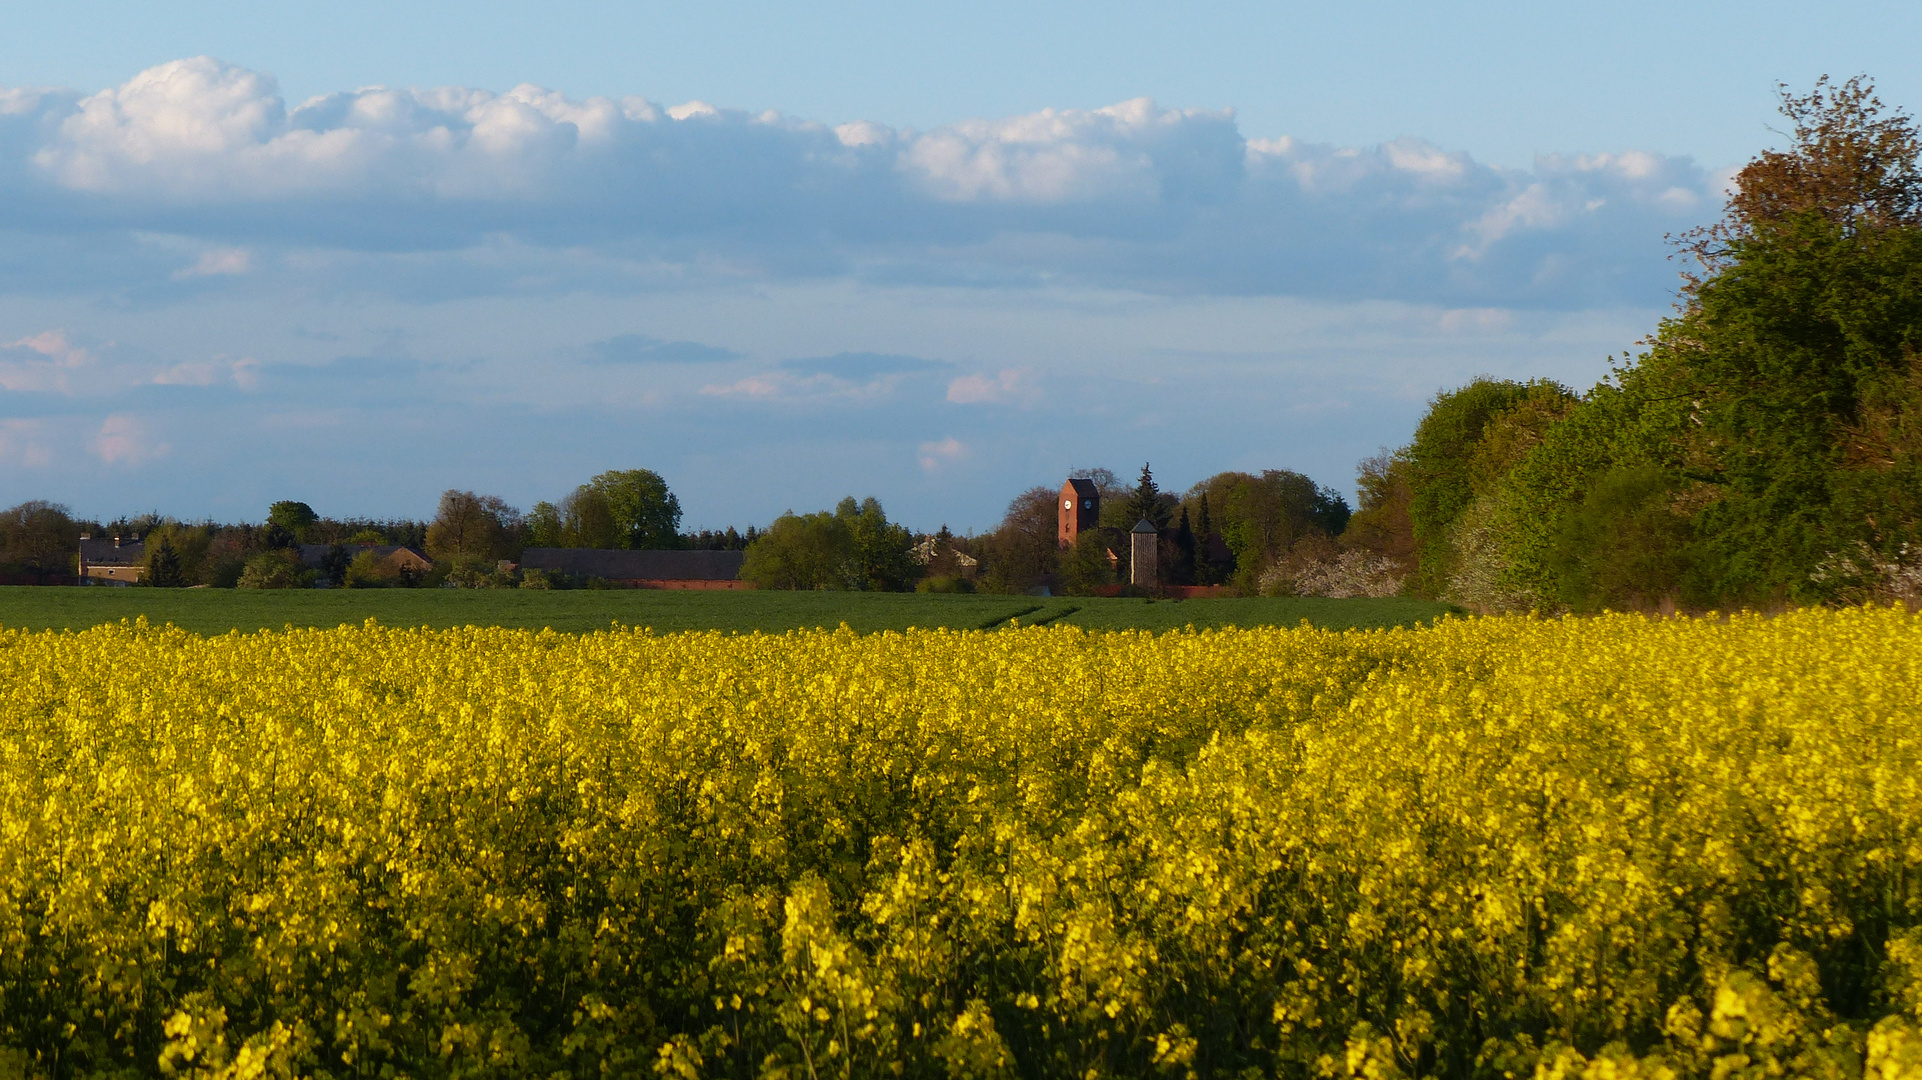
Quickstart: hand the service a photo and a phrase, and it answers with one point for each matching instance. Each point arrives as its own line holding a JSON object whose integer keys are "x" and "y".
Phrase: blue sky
{"x": 356, "y": 254}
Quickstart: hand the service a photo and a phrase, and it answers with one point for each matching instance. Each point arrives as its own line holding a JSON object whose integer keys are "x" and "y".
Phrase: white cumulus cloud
{"x": 46, "y": 361}
{"x": 1008, "y": 384}
{"x": 941, "y": 452}
{"x": 1135, "y": 195}
{"x": 216, "y": 262}
{"x": 23, "y": 443}
{"x": 124, "y": 439}
{"x": 243, "y": 373}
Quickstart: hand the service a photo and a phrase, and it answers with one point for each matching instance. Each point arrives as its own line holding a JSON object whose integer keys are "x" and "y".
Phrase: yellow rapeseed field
{"x": 1612, "y": 847}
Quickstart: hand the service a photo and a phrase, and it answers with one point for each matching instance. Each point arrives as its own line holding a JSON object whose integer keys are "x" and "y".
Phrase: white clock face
{"x": 1067, "y": 504}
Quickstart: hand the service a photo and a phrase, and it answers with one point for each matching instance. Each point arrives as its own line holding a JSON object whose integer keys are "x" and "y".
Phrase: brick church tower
{"x": 1079, "y": 509}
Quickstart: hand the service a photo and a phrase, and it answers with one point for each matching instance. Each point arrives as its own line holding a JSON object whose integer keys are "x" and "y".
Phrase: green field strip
{"x": 218, "y": 611}
{"x": 1052, "y": 614}
{"x": 1002, "y": 620}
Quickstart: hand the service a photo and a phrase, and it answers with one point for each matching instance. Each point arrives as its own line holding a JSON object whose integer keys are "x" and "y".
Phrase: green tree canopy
{"x": 1802, "y": 356}
{"x": 1447, "y": 467}
{"x": 1085, "y": 567}
{"x": 544, "y": 527}
{"x": 1024, "y": 550}
{"x": 468, "y": 527}
{"x": 855, "y": 547}
{"x": 1796, "y": 360}
{"x": 1261, "y": 517}
{"x": 279, "y": 568}
{"x": 587, "y": 520}
{"x": 297, "y": 518}
{"x": 39, "y": 536}
{"x": 186, "y": 547}
{"x": 622, "y": 508}
{"x": 642, "y": 511}
{"x": 809, "y": 551}
{"x": 882, "y": 559}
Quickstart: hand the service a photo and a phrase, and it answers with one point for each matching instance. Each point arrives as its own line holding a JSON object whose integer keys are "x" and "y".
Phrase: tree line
{"x": 467, "y": 540}
{"x": 1221, "y": 532}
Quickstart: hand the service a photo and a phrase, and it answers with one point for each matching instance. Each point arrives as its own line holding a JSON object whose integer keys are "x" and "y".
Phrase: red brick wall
{"x": 1071, "y": 516}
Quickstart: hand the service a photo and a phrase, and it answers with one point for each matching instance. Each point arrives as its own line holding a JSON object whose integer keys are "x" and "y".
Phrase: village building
{"x": 111, "y": 561}
{"x": 642, "y": 569}
{"x": 942, "y": 558}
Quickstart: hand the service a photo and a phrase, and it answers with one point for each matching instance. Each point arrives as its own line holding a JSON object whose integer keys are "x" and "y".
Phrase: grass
{"x": 216, "y": 611}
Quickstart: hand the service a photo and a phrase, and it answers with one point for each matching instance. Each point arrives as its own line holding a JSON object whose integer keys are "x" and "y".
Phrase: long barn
{"x": 643, "y": 569}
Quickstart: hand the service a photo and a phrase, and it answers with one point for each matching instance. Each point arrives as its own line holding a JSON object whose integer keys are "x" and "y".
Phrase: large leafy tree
{"x": 642, "y": 511}
{"x": 1467, "y": 439}
{"x": 1852, "y": 163}
{"x": 1261, "y": 517}
{"x": 882, "y": 557}
{"x": 468, "y": 527}
{"x": 40, "y": 537}
{"x": 1801, "y": 359}
{"x": 800, "y": 551}
{"x": 544, "y": 527}
{"x": 855, "y": 547}
{"x": 586, "y": 519}
{"x": 1797, "y": 351}
{"x": 1023, "y": 551}
{"x": 1085, "y": 568}
{"x": 621, "y": 508}
{"x": 297, "y": 518}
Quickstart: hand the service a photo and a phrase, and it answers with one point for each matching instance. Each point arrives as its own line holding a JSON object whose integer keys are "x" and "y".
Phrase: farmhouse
{"x": 643, "y": 569}
{"x": 111, "y": 561}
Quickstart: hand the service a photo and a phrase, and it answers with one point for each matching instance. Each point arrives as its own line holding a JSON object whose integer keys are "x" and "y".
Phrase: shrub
{"x": 277, "y": 569}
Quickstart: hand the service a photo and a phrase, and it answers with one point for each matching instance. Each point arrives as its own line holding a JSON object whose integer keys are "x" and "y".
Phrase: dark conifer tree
{"x": 163, "y": 566}
{"x": 1146, "y": 501}
{"x": 1205, "y": 570}
{"x": 1185, "y": 563}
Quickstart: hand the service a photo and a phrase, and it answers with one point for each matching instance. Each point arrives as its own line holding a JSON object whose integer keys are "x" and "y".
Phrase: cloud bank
{"x": 201, "y": 170}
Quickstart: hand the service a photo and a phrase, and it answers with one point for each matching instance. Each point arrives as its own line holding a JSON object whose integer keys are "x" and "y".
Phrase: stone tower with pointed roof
{"x": 1144, "y": 555}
